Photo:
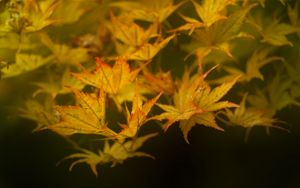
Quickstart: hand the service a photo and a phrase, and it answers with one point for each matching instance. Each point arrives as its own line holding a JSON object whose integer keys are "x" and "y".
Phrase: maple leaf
{"x": 276, "y": 32}
{"x": 42, "y": 113}
{"x": 194, "y": 103}
{"x": 128, "y": 93}
{"x": 116, "y": 153}
{"x": 131, "y": 34}
{"x": 55, "y": 86}
{"x": 210, "y": 11}
{"x": 132, "y": 41}
{"x": 293, "y": 73}
{"x": 138, "y": 115}
{"x": 293, "y": 13}
{"x": 258, "y": 59}
{"x": 273, "y": 32}
{"x": 191, "y": 24}
{"x": 76, "y": 9}
{"x": 218, "y": 35}
{"x": 25, "y": 63}
{"x": 30, "y": 16}
{"x": 208, "y": 100}
{"x": 64, "y": 53}
{"x": 151, "y": 11}
{"x": 111, "y": 79}
{"x": 87, "y": 117}
{"x": 39, "y": 13}
{"x": 147, "y": 51}
{"x": 159, "y": 82}
{"x": 249, "y": 117}
{"x": 184, "y": 106}
{"x": 275, "y": 96}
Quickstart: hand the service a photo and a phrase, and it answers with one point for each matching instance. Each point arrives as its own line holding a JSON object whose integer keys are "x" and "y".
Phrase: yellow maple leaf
{"x": 42, "y": 113}
{"x": 272, "y": 30}
{"x": 150, "y": 11}
{"x": 219, "y": 35}
{"x": 25, "y": 63}
{"x": 138, "y": 115}
{"x": 111, "y": 79}
{"x": 210, "y": 11}
{"x": 87, "y": 117}
{"x": 159, "y": 82}
{"x": 131, "y": 34}
{"x": 256, "y": 61}
{"x": 116, "y": 153}
{"x": 249, "y": 118}
{"x": 147, "y": 51}
{"x": 194, "y": 103}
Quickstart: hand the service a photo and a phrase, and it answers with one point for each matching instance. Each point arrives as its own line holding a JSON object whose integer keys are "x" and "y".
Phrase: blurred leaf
{"x": 258, "y": 59}
{"x": 116, "y": 153}
{"x": 218, "y": 35}
{"x": 147, "y": 51}
{"x": 42, "y": 113}
{"x": 151, "y": 11}
{"x": 211, "y": 11}
{"x": 25, "y": 63}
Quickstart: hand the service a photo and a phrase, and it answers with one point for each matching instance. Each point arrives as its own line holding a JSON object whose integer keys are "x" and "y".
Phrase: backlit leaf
{"x": 110, "y": 79}
{"x": 88, "y": 117}
{"x": 138, "y": 115}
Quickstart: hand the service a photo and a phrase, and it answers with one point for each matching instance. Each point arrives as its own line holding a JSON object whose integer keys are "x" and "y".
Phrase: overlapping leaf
{"x": 116, "y": 153}
{"x": 112, "y": 79}
{"x": 219, "y": 35}
{"x": 250, "y": 117}
{"x": 151, "y": 11}
{"x": 138, "y": 115}
{"x": 87, "y": 117}
{"x": 258, "y": 59}
{"x": 194, "y": 103}
{"x": 24, "y": 63}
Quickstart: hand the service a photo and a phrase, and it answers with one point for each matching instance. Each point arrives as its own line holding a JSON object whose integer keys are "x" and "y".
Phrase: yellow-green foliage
{"x": 86, "y": 59}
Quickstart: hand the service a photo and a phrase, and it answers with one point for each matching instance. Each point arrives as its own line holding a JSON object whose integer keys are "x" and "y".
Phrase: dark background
{"x": 213, "y": 159}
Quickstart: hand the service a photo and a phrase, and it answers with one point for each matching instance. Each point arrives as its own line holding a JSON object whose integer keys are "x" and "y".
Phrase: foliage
{"x": 100, "y": 58}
